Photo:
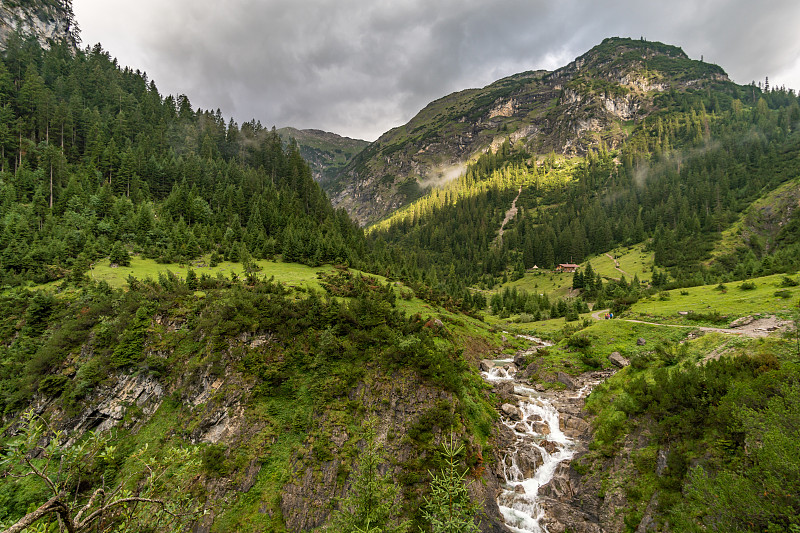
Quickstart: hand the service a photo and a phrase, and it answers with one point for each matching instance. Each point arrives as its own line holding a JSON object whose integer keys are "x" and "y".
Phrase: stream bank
{"x": 540, "y": 433}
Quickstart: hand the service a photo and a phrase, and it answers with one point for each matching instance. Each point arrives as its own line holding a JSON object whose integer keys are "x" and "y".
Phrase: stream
{"x": 539, "y": 445}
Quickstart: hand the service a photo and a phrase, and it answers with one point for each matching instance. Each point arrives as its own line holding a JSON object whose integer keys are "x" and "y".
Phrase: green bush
{"x": 590, "y": 360}
{"x": 214, "y": 461}
{"x": 579, "y": 342}
{"x": 53, "y": 385}
{"x": 713, "y": 317}
{"x": 131, "y": 347}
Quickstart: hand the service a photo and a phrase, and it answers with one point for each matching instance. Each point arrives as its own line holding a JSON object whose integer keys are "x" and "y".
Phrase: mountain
{"x": 593, "y": 101}
{"x": 184, "y": 325}
{"x": 193, "y": 338}
{"x": 326, "y": 153}
{"x": 47, "y": 21}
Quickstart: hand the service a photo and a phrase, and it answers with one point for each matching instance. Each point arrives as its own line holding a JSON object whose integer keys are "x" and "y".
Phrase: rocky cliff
{"x": 47, "y": 20}
{"x": 589, "y": 102}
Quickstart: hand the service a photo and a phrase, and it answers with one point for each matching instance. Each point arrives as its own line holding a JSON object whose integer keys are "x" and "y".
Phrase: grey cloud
{"x": 360, "y": 67}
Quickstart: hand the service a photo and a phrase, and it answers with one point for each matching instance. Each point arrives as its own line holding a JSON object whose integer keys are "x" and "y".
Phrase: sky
{"x": 361, "y": 67}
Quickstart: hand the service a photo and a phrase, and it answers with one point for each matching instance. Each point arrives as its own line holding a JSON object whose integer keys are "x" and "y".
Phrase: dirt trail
{"x": 757, "y": 328}
{"x": 510, "y": 214}
{"x": 616, "y": 263}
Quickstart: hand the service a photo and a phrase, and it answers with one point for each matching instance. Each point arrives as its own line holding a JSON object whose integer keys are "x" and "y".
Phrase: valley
{"x": 215, "y": 327}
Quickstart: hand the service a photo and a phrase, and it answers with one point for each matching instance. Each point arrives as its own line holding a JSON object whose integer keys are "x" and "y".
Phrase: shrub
{"x": 53, "y": 385}
{"x": 590, "y": 360}
{"x": 214, "y": 461}
{"x": 747, "y": 286}
{"x": 191, "y": 280}
{"x": 579, "y": 342}
{"x": 712, "y": 316}
{"x": 131, "y": 346}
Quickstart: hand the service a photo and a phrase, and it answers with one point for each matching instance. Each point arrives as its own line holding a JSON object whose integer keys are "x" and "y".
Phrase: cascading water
{"x": 539, "y": 447}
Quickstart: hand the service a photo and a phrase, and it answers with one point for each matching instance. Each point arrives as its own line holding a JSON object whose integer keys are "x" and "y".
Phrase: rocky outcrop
{"x": 398, "y": 403}
{"x": 114, "y": 401}
{"x": 46, "y": 22}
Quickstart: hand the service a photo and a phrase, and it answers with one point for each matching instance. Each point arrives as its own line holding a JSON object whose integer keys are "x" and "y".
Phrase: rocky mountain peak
{"x": 570, "y": 110}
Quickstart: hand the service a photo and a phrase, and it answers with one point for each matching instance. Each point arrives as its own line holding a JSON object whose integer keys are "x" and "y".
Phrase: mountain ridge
{"x": 326, "y": 152}
{"x": 581, "y": 106}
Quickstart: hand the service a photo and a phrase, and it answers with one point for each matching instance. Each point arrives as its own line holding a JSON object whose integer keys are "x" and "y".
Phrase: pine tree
{"x": 449, "y": 509}
{"x": 191, "y": 280}
{"x": 370, "y": 502}
{"x": 119, "y": 255}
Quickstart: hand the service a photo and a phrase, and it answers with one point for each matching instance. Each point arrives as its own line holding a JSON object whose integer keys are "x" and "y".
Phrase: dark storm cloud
{"x": 360, "y": 67}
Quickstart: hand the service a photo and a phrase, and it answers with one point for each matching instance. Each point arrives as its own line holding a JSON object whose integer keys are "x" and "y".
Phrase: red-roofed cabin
{"x": 567, "y": 267}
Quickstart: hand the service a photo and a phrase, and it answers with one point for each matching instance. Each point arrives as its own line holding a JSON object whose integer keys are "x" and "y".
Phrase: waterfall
{"x": 539, "y": 447}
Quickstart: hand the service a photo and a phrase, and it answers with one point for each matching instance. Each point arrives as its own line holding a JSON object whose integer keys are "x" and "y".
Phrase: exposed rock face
{"x": 46, "y": 22}
{"x": 306, "y": 501}
{"x": 486, "y": 365}
{"x": 130, "y": 390}
{"x": 566, "y": 380}
{"x": 325, "y": 152}
{"x": 216, "y": 401}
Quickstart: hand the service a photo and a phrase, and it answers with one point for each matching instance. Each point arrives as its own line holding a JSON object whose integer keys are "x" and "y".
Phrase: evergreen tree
{"x": 119, "y": 255}
{"x": 449, "y": 509}
{"x": 369, "y": 506}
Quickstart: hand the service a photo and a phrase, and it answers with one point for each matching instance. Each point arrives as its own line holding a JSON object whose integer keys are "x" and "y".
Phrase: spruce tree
{"x": 370, "y": 502}
{"x": 449, "y": 509}
{"x": 119, "y": 255}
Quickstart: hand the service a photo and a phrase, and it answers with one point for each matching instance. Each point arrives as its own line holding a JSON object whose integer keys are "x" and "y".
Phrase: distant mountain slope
{"x": 592, "y": 101}
{"x": 46, "y": 20}
{"x": 326, "y": 153}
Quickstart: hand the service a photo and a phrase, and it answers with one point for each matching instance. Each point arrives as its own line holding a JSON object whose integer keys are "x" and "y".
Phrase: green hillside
{"x": 193, "y": 338}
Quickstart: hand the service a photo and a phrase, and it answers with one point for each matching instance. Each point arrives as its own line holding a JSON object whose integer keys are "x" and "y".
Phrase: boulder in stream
{"x": 511, "y": 411}
{"x": 504, "y": 389}
{"x": 560, "y": 487}
{"x": 549, "y": 446}
{"x": 541, "y": 428}
{"x": 566, "y": 380}
{"x": 528, "y": 460}
{"x": 573, "y": 426}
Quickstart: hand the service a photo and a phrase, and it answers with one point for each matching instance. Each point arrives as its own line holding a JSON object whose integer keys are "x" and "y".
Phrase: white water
{"x": 538, "y": 426}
